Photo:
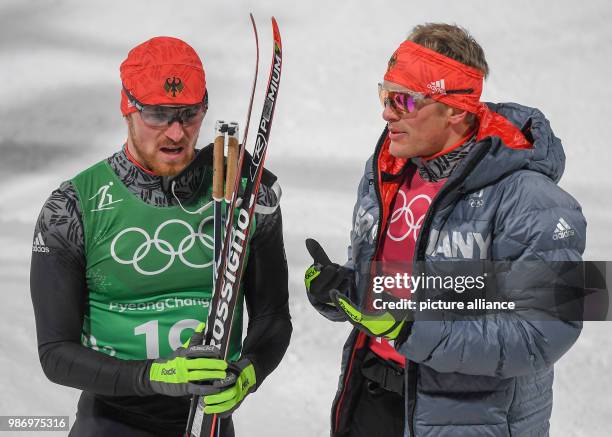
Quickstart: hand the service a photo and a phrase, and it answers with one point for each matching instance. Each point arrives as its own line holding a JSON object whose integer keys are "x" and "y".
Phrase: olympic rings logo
{"x": 413, "y": 225}
{"x": 164, "y": 247}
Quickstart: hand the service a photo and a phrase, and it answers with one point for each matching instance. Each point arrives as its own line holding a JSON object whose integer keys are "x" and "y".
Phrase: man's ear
{"x": 457, "y": 116}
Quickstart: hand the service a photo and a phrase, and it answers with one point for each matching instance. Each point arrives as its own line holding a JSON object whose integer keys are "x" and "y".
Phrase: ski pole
{"x": 217, "y": 191}
{"x": 232, "y": 160}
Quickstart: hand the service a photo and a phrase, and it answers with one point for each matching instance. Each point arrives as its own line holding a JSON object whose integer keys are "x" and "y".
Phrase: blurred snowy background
{"x": 59, "y": 113}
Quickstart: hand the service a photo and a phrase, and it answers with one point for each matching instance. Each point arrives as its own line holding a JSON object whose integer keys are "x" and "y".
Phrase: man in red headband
{"x": 451, "y": 179}
{"x": 121, "y": 271}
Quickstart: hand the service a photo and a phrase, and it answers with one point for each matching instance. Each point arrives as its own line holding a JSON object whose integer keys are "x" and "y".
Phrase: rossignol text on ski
{"x": 237, "y": 230}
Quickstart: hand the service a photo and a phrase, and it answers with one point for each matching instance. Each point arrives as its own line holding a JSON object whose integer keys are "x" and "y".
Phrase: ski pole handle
{"x": 218, "y": 158}
{"x": 232, "y": 161}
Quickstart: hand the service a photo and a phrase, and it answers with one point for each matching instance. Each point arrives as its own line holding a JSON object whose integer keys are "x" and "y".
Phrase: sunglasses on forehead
{"x": 406, "y": 102}
{"x": 160, "y": 115}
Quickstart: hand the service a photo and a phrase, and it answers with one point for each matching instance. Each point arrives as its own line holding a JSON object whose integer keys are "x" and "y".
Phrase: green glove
{"x": 194, "y": 362}
{"x": 240, "y": 383}
{"x": 376, "y": 324}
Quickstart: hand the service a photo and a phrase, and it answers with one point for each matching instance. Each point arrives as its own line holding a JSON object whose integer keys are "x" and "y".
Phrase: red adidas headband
{"x": 428, "y": 72}
{"x": 162, "y": 71}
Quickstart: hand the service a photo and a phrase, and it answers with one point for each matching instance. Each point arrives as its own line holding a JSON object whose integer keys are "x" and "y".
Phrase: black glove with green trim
{"x": 240, "y": 382}
{"x": 193, "y": 362}
{"x": 323, "y": 275}
{"x": 391, "y": 325}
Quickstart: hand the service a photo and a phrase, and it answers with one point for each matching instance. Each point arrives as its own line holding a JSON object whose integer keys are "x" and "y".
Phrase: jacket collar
{"x": 155, "y": 189}
{"x": 441, "y": 167}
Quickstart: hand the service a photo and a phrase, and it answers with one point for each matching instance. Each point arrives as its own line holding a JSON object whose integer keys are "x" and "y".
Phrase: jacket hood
{"x": 546, "y": 155}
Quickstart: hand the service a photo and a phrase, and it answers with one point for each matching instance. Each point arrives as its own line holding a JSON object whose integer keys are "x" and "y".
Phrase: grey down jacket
{"x": 486, "y": 376}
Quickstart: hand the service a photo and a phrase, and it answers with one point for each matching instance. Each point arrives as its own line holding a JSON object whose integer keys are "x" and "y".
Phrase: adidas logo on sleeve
{"x": 563, "y": 230}
{"x": 39, "y": 244}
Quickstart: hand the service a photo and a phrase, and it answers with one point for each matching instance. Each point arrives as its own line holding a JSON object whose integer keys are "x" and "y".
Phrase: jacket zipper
{"x": 349, "y": 365}
{"x": 420, "y": 255}
{"x": 376, "y": 174}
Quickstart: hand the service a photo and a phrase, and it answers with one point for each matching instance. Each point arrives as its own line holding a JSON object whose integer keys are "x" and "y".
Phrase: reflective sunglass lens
{"x": 382, "y": 95}
{"x": 403, "y": 102}
{"x": 400, "y": 102}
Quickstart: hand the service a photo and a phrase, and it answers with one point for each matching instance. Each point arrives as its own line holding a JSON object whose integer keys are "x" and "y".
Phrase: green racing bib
{"x": 149, "y": 269}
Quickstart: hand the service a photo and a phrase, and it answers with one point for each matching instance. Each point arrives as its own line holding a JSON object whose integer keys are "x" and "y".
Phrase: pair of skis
{"x": 230, "y": 256}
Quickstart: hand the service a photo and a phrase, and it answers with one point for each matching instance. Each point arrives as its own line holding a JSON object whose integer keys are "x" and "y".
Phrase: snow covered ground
{"x": 59, "y": 112}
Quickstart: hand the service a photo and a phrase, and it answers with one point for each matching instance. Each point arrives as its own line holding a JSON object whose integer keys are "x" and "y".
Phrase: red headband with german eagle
{"x": 448, "y": 81}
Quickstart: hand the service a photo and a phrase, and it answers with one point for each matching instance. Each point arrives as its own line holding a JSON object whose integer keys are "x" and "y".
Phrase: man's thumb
{"x": 317, "y": 253}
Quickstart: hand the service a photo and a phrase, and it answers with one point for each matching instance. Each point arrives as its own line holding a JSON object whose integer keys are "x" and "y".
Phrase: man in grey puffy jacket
{"x": 452, "y": 179}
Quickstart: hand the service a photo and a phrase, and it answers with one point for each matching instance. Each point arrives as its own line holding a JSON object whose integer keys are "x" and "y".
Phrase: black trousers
{"x": 378, "y": 410}
{"x": 95, "y": 419}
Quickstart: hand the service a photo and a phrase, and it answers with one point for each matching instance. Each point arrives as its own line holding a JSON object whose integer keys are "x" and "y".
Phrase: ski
{"x": 237, "y": 230}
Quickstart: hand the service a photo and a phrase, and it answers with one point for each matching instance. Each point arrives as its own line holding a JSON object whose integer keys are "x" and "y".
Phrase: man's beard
{"x": 159, "y": 168}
